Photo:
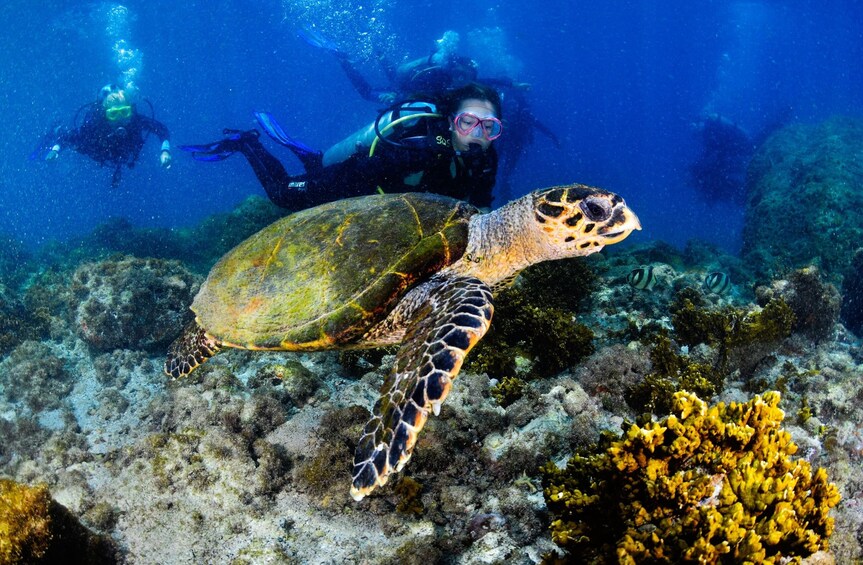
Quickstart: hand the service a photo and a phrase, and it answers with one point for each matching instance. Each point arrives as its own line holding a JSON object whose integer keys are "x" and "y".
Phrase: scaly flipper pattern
{"x": 193, "y": 347}
{"x": 454, "y": 317}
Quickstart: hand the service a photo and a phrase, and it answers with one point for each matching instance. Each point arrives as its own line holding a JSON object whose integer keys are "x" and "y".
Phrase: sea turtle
{"x": 417, "y": 269}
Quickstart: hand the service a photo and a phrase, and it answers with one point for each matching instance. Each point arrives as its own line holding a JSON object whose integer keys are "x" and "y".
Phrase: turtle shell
{"x": 320, "y": 278}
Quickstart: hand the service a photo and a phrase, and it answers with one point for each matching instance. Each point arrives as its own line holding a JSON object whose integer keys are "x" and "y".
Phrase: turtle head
{"x": 578, "y": 220}
{"x": 552, "y": 223}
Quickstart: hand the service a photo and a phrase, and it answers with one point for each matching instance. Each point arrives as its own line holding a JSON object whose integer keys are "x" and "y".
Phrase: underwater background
{"x": 249, "y": 460}
{"x": 620, "y": 85}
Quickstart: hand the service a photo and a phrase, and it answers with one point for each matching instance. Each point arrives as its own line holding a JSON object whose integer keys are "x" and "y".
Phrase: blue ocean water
{"x": 620, "y": 83}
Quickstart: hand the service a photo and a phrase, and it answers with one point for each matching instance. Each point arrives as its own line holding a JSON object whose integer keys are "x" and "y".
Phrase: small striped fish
{"x": 642, "y": 278}
{"x": 717, "y": 282}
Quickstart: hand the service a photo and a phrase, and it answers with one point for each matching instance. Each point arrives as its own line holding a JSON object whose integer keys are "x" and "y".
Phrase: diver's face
{"x": 479, "y": 108}
{"x": 119, "y": 116}
{"x": 118, "y": 110}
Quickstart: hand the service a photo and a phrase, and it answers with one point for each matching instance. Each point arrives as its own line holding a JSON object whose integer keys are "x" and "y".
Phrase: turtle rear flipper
{"x": 193, "y": 347}
{"x": 454, "y": 316}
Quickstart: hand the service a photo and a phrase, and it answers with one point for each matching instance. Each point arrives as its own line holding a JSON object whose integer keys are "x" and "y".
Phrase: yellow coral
{"x": 25, "y": 524}
{"x": 706, "y": 484}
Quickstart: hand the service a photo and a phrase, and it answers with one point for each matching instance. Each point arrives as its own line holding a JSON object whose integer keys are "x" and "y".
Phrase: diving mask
{"x": 118, "y": 113}
{"x": 488, "y": 127}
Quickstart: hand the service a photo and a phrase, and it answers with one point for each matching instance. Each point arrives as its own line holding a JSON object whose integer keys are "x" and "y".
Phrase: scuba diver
{"x": 719, "y": 171}
{"x": 438, "y": 72}
{"x": 441, "y": 70}
{"x": 112, "y": 132}
{"x": 442, "y": 146}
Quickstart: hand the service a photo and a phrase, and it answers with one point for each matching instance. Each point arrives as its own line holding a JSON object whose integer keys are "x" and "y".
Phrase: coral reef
{"x": 508, "y": 390}
{"x": 535, "y": 319}
{"x": 804, "y": 206}
{"x": 25, "y": 525}
{"x": 132, "y": 303}
{"x": 852, "y": 295}
{"x": 337, "y": 434}
{"x": 14, "y": 262}
{"x": 198, "y": 247}
{"x": 814, "y": 302}
{"x": 565, "y": 284}
{"x": 36, "y": 529}
{"x": 356, "y": 362}
{"x": 730, "y": 327}
{"x": 670, "y": 373}
{"x": 249, "y": 460}
{"x": 35, "y": 375}
{"x": 298, "y": 382}
{"x": 727, "y": 339}
{"x": 743, "y": 337}
{"x": 612, "y": 372}
{"x": 702, "y": 485}
{"x": 17, "y": 322}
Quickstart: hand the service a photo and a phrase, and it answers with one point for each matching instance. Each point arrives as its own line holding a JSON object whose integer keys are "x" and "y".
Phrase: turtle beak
{"x": 623, "y": 223}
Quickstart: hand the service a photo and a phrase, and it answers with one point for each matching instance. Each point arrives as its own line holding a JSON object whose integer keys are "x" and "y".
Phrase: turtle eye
{"x": 596, "y": 209}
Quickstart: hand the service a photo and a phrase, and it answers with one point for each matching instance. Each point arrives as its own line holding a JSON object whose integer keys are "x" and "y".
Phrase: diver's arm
{"x": 80, "y": 133}
{"x": 160, "y": 130}
{"x": 63, "y": 138}
{"x": 156, "y": 127}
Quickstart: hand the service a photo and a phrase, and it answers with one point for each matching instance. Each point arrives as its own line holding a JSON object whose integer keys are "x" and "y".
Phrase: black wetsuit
{"x": 424, "y": 76}
{"x": 109, "y": 143}
{"x": 435, "y": 167}
{"x": 420, "y": 76}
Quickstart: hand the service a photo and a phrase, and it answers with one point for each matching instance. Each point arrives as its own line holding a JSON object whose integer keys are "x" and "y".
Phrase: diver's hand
{"x": 165, "y": 159}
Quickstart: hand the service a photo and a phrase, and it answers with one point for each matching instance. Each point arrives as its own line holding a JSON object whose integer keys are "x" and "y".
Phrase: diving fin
{"x": 274, "y": 130}
{"x": 316, "y": 39}
{"x": 310, "y": 158}
{"x": 222, "y": 149}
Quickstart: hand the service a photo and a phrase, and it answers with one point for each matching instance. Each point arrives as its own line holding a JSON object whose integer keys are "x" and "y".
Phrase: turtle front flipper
{"x": 451, "y": 318}
{"x": 193, "y": 347}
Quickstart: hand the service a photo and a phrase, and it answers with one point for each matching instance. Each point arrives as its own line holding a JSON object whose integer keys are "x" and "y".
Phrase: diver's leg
{"x": 281, "y": 188}
{"x": 219, "y": 150}
{"x": 349, "y": 178}
{"x": 359, "y": 82}
{"x": 116, "y": 176}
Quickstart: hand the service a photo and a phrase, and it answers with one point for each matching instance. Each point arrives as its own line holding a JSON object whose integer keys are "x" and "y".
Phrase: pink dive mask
{"x": 471, "y": 124}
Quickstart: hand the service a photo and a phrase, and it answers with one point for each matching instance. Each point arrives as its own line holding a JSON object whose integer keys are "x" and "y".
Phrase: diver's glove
{"x": 165, "y": 156}
{"x": 53, "y": 153}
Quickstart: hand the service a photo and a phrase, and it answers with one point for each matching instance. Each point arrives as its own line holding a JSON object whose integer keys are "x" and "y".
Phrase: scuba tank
{"x": 389, "y": 127}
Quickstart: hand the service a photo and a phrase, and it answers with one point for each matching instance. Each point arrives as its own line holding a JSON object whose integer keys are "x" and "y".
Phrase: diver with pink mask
{"x": 442, "y": 144}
